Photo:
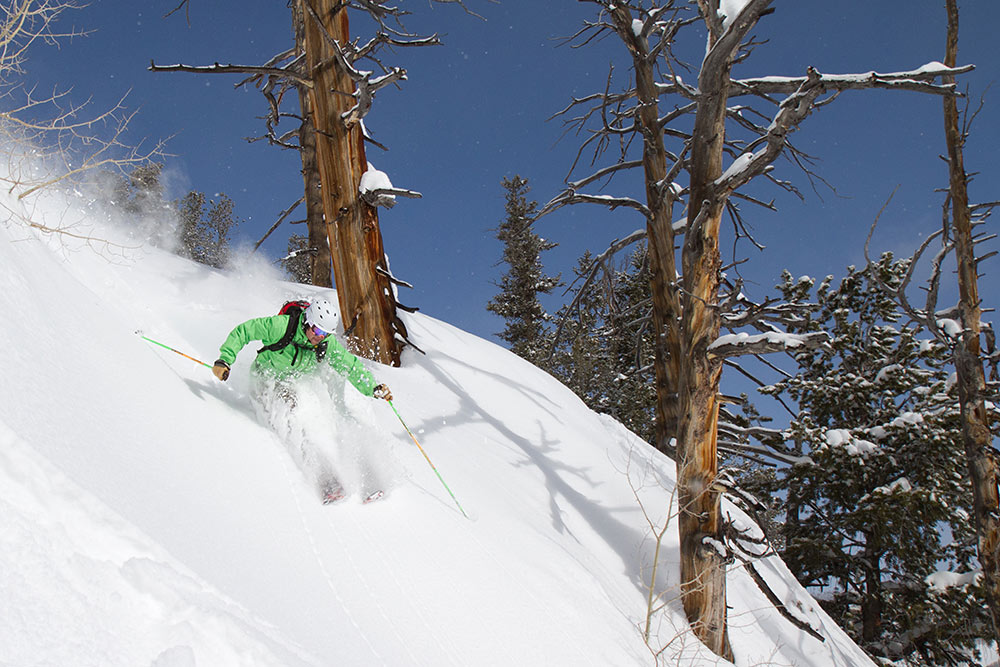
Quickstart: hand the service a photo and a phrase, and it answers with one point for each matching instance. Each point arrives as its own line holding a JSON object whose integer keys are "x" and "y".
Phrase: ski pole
{"x": 173, "y": 350}
{"x": 428, "y": 459}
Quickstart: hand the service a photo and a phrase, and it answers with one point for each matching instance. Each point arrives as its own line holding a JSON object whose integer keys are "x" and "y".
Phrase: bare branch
{"x": 234, "y": 69}
{"x": 387, "y": 196}
{"x": 572, "y": 197}
{"x": 281, "y": 218}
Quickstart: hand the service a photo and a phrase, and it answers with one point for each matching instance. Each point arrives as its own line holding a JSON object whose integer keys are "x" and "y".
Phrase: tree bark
{"x": 320, "y": 259}
{"x": 365, "y": 294}
{"x": 687, "y": 380}
{"x": 871, "y": 597}
{"x": 703, "y": 574}
{"x": 968, "y": 362}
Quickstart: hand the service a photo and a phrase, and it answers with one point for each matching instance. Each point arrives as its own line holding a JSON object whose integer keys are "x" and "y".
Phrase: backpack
{"x": 294, "y": 310}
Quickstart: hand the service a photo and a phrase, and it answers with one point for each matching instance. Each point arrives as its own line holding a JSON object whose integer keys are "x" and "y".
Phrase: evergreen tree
{"x": 136, "y": 199}
{"x": 296, "y": 261}
{"x": 879, "y": 503}
{"x": 206, "y": 228}
{"x": 578, "y": 358}
{"x": 630, "y": 396}
{"x": 518, "y": 303}
{"x": 604, "y": 352}
{"x": 143, "y": 193}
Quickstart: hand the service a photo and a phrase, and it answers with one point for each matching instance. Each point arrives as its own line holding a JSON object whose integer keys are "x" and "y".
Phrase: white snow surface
{"x": 147, "y": 518}
{"x": 739, "y": 164}
{"x": 839, "y": 437}
{"x": 730, "y": 9}
{"x": 942, "y": 580}
{"x": 744, "y": 338}
{"x": 373, "y": 179}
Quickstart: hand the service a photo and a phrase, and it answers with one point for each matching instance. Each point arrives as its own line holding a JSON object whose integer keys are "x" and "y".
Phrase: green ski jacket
{"x": 296, "y": 358}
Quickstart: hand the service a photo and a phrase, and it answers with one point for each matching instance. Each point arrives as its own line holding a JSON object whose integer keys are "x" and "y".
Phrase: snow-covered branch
{"x": 920, "y": 79}
{"x": 365, "y": 94}
{"x": 377, "y": 190}
{"x": 741, "y": 344}
{"x": 387, "y": 196}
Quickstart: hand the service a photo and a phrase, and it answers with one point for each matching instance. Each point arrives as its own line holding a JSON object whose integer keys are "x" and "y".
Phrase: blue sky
{"x": 477, "y": 109}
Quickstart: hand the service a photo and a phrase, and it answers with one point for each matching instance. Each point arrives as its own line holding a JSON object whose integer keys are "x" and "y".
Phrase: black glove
{"x": 221, "y": 370}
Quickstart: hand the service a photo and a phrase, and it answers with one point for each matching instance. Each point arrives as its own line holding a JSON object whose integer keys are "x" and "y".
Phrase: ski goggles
{"x": 318, "y": 332}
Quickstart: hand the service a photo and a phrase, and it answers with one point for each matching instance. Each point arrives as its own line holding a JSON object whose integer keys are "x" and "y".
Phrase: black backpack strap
{"x": 294, "y": 314}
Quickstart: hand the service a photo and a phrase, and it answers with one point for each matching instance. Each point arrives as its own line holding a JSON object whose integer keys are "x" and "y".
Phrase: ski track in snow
{"x": 527, "y": 589}
{"x": 372, "y": 594}
{"x": 448, "y": 648}
{"x": 285, "y": 465}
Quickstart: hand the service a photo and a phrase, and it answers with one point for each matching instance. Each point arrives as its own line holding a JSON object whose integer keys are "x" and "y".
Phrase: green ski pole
{"x": 186, "y": 356}
{"x": 428, "y": 459}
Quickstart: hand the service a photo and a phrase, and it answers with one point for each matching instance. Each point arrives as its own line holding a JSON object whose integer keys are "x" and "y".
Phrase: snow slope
{"x": 147, "y": 518}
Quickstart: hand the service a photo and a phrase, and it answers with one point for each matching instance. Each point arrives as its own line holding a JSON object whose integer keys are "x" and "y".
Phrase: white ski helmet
{"x": 323, "y": 314}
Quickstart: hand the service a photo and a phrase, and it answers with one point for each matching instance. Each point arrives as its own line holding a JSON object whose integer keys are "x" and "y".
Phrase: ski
{"x": 331, "y": 496}
{"x": 373, "y": 496}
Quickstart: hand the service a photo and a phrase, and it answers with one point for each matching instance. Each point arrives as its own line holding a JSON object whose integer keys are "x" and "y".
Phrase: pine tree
{"x": 879, "y": 504}
{"x": 296, "y": 261}
{"x": 206, "y": 228}
{"x": 518, "y": 303}
{"x": 631, "y": 394}
{"x": 136, "y": 199}
{"x": 604, "y": 350}
{"x": 578, "y": 356}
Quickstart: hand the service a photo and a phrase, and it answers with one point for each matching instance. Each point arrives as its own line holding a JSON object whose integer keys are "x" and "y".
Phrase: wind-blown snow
{"x": 148, "y": 518}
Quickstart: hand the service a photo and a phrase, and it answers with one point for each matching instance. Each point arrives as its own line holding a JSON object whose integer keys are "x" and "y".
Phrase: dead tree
{"x": 687, "y": 294}
{"x": 320, "y": 258}
{"x": 335, "y": 95}
{"x": 960, "y": 329}
{"x": 338, "y": 100}
{"x": 972, "y": 391}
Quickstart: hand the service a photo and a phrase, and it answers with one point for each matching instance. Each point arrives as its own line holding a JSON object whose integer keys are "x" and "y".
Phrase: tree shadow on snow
{"x": 629, "y": 542}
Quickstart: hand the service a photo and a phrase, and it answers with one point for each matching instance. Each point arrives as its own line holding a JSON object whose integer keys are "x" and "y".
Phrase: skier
{"x": 295, "y": 344}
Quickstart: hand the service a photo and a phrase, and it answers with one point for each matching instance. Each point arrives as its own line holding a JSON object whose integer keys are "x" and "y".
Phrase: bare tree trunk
{"x": 687, "y": 380}
{"x": 703, "y": 574}
{"x": 686, "y": 317}
{"x": 365, "y": 294}
{"x": 968, "y": 363}
{"x": 320, "y": 260}
{"x": 660, "y": 235}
